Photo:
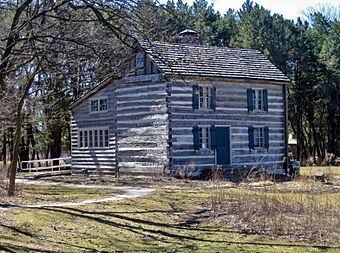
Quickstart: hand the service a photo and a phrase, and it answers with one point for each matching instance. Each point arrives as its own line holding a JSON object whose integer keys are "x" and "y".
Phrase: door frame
{"x": 230, "y": 153}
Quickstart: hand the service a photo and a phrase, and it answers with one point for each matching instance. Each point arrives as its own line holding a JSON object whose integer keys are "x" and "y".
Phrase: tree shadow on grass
{"x": 90, "y": 215}
{"x": 19, "y": 231}
{"x": 7, "y": 247}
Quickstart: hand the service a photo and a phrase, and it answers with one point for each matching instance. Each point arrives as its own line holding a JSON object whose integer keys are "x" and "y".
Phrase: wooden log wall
{"x": 231, "y": 110}
{"x": 94, "y": 160}
{"x": 142, "y": 124}
{"x": 137, "y": 119}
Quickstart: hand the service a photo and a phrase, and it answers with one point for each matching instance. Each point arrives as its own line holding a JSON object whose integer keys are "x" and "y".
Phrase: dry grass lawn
{"x": 183, "y": 216}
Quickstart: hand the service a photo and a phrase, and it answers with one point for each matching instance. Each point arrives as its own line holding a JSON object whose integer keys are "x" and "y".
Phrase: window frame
{"x": 99, "y": 106}
{"x": 87, "y": 136}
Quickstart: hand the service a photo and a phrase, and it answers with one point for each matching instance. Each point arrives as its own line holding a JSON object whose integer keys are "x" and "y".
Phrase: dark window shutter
{"x": 195, "y": 96}
{"x": 265, "y": 100}
{"x": 251, "y": 137}
{"x": 250, "y": 99}
{"x": 213, "y": 98}
{"x": 266, "y": 138}
{"x": 213, "y": 137}
{"x": 195, "y": 131}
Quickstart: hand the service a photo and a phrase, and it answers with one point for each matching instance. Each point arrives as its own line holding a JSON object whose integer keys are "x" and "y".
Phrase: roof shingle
{"x": 198, "y": 60}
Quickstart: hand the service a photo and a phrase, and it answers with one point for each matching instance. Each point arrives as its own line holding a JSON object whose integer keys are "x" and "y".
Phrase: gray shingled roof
{"x": 198, "y": 60}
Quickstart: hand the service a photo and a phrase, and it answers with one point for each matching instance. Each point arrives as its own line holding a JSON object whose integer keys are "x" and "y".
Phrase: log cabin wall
{"x": 231, "y": 110}
{"x": 142, "y": 124}
{"x": 95, "y": 160}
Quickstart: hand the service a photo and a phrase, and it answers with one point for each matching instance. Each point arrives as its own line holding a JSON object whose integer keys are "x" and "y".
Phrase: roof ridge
{"x": 199, "y": 46}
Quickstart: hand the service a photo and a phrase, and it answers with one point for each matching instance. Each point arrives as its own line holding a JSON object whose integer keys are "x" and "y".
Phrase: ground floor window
{"x": 258, "y": 137}
{"x": 93, "y": 138}
{"x": 204, "y": 133}
{"x": 202, "y": 137}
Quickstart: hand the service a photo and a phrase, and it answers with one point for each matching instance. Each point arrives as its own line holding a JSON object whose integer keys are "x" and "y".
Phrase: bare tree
{"x": 51, "y": 46}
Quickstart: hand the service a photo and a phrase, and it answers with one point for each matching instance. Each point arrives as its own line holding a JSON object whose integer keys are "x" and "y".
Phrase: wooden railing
{"x": 46, "y": 164}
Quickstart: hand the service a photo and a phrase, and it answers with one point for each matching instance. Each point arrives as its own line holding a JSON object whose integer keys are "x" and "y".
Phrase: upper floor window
{"x": 98, "y": 105}
{"x": 93, "y": 138}
{"x": 204, "y": 97}
{"x": 140, "y": 60}
{"x": 257, "y": 99}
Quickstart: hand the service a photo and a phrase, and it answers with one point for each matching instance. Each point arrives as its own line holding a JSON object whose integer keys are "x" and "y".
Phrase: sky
{"x": 290, "y": 9}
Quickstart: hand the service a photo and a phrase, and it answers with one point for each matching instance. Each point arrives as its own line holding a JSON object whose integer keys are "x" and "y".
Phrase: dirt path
{"x": 129, "y": 192}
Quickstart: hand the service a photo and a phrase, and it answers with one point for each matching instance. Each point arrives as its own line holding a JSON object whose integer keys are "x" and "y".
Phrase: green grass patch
{"x": 169, "y": 220}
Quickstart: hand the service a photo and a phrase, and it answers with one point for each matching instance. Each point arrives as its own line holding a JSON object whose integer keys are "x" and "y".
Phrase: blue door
{"x": 223, "y": 145}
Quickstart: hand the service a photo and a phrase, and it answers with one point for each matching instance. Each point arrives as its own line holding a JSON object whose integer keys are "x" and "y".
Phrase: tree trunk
{"x": 10, "y": 142}
{"x": 56, "y": 134}
{"x": 13, "y": 166}
{"x": 4, "y": 148}
{"x": 16, "y": 148}
{"x": 331, "y": 130}
{"x": 24, "y": 152}
{"x": 31, "y": 139}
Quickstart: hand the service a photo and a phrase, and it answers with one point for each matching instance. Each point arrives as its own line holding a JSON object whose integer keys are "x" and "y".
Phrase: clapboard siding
{"x": 231, "y": 110}
{"x": 94, "y": 160}
{"x": 142, "y": 127}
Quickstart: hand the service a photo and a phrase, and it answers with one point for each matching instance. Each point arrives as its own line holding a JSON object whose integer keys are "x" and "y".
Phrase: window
{"x": 204, "y": 97}
{"x": 258, "y": 137}
{"x": 95, "y": 135}
{"x": 140, "y": 60}
{"x": 103, "y": 105}
{"x": 257, "y": 99}
{"x": 98, "y": 105}
{"x": 101, "y": 138}
{"x": 93, "y": 138}
{"x": 81, "y": 142}
{"x": 94, "y": 106}
{"x": 202, "y": 137}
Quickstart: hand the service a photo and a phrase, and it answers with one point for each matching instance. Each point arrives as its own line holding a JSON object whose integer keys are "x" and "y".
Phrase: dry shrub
{"x": 186, "y": 171}
{"x": 218, "y": 195}
{"x": 305, "y": 216}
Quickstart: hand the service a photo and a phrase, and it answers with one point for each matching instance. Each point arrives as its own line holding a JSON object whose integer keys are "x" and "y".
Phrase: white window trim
{"x": 263, "y": 142}
{"x": 98, "y": 99}
{"x": 98, "y": 138}
{"x": 255, "y": 100}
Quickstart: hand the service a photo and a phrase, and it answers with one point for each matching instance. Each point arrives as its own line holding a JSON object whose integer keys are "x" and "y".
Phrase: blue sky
{"x": 290, "y": 9}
